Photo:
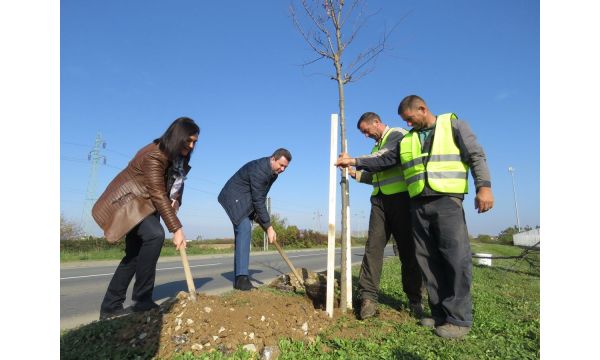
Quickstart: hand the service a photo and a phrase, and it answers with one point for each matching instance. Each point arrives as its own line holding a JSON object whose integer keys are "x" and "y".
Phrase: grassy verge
{"x": 506, "y": 325}
{"x": 117, "y": 253}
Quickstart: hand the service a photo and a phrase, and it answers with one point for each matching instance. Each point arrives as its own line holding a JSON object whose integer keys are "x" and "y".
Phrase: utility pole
{"x": 317, "y": 217}
{"x": 94, "y": 157}
{"x": 511, "y": 170}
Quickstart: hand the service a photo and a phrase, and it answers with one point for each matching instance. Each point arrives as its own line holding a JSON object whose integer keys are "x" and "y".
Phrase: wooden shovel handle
{"x": 288, "y": 262}
{"x": 188, "y": 274}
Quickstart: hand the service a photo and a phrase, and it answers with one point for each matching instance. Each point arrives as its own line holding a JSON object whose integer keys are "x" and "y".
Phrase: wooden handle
{"x": 288, "y": 262}
{"x": 188, "y": 274}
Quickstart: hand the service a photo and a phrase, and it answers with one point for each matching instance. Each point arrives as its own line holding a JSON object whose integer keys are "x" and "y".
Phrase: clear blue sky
{"x": 129, "y": 68}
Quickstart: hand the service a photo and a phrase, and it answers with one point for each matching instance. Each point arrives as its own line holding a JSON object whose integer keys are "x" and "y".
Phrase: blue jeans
{"x": 243, "y": 233}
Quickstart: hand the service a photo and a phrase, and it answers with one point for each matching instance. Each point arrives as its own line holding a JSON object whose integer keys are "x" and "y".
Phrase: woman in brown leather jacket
{"x": 149, "y": 188}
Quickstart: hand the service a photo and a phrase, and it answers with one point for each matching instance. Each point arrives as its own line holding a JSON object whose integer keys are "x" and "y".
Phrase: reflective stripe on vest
{"x": 390, "y": 181}
{"x": 445, "y": 172}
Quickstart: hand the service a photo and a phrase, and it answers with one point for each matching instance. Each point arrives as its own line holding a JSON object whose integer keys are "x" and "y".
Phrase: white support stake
{"x": 331, "y": 227}
{"x": 347, "y": 271}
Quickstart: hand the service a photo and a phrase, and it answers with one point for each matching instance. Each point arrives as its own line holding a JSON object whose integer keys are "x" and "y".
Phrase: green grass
{"x": 117, "y": 254}
{"x": 506, "y": 324}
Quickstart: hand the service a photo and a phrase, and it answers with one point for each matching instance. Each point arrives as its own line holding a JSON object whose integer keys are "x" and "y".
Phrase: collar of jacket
{"x": 268, "y": 168}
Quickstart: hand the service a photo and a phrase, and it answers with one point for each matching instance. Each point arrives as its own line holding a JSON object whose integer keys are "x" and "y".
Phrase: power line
{"x": 72, "y": 143}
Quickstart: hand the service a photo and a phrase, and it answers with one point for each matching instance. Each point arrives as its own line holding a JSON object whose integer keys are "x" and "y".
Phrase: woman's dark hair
{"x": 176, "y": 136}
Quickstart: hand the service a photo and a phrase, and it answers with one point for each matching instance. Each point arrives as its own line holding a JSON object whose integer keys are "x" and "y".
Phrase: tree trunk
{"x": 345, "y": 193}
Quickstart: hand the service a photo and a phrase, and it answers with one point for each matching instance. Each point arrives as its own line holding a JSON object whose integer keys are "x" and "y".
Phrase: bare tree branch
{"x": 349, "y": 13}
{"x": 364, "y": 58}
{"x": 358, "y": 24}
{"x": 323, "y": 51}
{"x": 319, "y": 23}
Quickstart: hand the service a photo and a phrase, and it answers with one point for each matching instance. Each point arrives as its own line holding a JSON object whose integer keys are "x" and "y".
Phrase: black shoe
{"x": 243, "y": 283}
{"x": 431, "y": 322}
{"x": 368, "y": 308}
{"x": 142, "y": 306}
{"x": 416, "y": 309}
{"x": 106, "y": 315}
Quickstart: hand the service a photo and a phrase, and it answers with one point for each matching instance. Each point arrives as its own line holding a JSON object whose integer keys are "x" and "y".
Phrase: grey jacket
{"x": 391, "y": 145}
{"x": 244, "y": 194}
{"x": 471, "y": 153}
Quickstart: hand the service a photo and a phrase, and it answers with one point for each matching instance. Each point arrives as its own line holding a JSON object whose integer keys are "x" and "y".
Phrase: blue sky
{"x": 127, "y": 69}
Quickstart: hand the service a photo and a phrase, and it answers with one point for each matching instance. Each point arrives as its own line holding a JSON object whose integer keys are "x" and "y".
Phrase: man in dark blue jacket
{"x": 243, "y": 198}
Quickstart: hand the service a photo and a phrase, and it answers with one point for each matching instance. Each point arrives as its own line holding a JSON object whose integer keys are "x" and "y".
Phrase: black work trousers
{"x": 390, "y": 215}
{"x": 142, "y": 249}
{"x": 444, "y": 255}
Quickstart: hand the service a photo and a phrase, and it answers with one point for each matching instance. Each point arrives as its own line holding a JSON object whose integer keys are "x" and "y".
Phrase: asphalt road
{"x": 83, "y": 284}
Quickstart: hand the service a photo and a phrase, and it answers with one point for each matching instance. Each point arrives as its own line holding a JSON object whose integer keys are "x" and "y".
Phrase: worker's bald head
{"x": 411, "y": 102}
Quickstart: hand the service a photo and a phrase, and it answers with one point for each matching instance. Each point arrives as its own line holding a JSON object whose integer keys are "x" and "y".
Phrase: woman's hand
{"x": 179, "y": 239}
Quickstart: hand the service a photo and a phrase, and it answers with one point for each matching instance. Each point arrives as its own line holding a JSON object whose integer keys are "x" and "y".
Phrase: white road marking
{"x": 297, "y": 256}
{"x": 177, "y": 267}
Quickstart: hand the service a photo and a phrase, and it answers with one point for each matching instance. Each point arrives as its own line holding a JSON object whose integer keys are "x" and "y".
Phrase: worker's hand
{"x": 484, "y": 200}
{"x": 271, "y": 235}
{"x": 352, "y": 172}
{"x": 344, "y": 160}
{"x": 179, "y": 239}
{"x": 175, "y": 205}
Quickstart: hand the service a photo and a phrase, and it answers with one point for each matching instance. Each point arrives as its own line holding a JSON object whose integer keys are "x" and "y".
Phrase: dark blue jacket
{"x": 244, "y": 194}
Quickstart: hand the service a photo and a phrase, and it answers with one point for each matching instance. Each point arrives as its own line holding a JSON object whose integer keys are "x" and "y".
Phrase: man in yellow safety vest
{"x": 389, "y": 216}
{"x": 435, "y": 157}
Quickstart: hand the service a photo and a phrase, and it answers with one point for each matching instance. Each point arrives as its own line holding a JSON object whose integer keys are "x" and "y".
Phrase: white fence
{"x": 527, "y": 238}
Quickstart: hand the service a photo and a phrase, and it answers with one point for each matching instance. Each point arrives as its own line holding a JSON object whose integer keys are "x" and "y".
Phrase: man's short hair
{"x": 367, "y": 117}
{"x": 410, "y": 102}
{"x": 282, "y": 152}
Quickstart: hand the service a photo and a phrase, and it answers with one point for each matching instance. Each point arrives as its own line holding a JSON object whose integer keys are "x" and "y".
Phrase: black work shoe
{"x": 368, "y": 308}
{"x": 243, "y": 283}
{"x": 106, "y": 315}
{"x": 142, "y": 306}
{"x": 431, "y": 322}
{"x": 416, "y": 309}
{"x": 451, "y": 331}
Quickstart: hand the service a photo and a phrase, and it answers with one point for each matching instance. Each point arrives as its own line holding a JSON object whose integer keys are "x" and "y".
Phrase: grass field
{"x": 506, "y": 325}
{"x": 506, "y": 300}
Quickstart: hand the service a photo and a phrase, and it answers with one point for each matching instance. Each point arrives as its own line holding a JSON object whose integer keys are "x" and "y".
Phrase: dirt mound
{"x": 255, "y": 320}
{"x": 258, "y": 317}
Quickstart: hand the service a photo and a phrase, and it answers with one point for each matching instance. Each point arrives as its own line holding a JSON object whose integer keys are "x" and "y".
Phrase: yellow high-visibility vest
{"x": 390, "y": 181}
{"x": 442, "y": 167}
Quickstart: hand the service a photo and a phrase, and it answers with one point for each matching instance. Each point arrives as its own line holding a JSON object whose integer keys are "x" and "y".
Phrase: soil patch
{"x": 255, "y": 320}
{"x": 258, "y": 317}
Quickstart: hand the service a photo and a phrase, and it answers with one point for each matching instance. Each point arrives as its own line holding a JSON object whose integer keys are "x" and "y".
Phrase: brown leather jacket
{"x": 136, "y": 192}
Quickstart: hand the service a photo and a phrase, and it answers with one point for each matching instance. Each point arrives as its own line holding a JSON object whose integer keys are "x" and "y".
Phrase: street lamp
{"x": 511, "y": 170}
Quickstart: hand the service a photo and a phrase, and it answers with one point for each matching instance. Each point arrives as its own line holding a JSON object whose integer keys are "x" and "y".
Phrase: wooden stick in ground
{"x": 288, "y": 262}
{"x": 188, "y": 274}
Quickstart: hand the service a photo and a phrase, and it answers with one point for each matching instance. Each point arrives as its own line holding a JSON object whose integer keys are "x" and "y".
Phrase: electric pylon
{"x": 94, "y": 157}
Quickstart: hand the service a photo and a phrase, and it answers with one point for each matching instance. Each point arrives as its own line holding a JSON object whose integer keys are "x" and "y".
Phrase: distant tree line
{"x": 72, "y": 237}
{"x": 289, "y": 235}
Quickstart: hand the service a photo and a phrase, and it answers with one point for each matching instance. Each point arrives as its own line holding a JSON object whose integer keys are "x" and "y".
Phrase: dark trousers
{"x": 444, "y": 255}
{"x": 390, "y": 215}
{"x": 142, "y": 249}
